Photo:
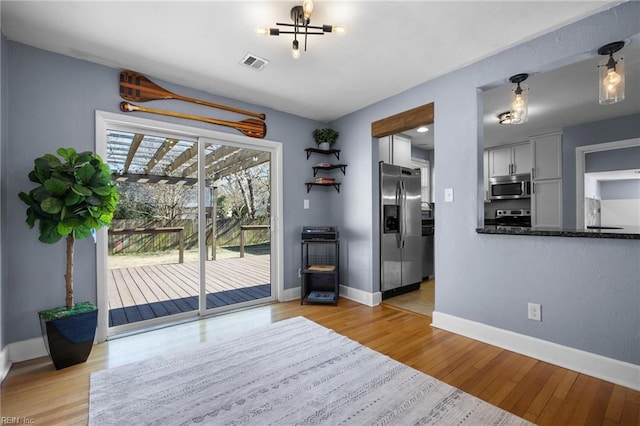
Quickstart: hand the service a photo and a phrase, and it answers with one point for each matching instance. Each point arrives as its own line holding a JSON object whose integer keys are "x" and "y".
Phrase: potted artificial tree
{"x": 74, "y": 197}
{"x": 325, "y": 138}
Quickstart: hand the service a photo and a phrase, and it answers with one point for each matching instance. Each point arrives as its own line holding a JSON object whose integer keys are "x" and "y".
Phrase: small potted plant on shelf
{"x": 73, "y": 199}
{"x": 325, "y": 138}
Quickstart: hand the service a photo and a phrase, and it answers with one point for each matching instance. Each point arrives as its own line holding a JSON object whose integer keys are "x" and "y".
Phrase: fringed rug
{"x": 291, "y": 372}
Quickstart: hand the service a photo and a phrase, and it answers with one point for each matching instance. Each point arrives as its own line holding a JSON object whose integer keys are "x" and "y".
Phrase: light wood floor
{"x": 537, "y": 391}
{"x": 421, "y": 301}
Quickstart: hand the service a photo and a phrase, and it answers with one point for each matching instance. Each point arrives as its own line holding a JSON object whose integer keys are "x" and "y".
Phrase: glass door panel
{"x": 153, "y": 251}
{"x": 237, "y": 204}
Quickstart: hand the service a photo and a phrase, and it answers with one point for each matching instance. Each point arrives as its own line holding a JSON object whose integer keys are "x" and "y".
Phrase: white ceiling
{"x": 390, "y": 46}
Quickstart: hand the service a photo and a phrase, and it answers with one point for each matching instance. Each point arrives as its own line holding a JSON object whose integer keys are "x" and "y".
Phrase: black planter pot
{"x": 69, "y": 340}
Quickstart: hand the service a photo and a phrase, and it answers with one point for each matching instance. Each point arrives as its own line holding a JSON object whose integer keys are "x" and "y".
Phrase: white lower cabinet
{"x": 546, "y": 204}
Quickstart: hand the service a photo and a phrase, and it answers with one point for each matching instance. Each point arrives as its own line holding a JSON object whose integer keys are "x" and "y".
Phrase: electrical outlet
{"x": 535, "y": 312}
{"x": 306, "y": 204}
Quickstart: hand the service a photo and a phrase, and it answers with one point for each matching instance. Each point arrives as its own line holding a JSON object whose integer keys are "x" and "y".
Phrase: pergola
{"x": 148, "y": 159}
{"x": 136, "y": 157}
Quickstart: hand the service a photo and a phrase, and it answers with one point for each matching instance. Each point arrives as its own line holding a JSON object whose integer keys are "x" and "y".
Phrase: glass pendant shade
{"x": 611, "y": 80}
{"x": 519, "y": 105}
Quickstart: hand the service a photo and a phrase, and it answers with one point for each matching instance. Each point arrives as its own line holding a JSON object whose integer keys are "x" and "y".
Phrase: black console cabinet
{"x": 320, "y": 267}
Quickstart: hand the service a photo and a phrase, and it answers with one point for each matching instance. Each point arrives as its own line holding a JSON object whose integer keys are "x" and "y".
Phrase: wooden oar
{"x": 138, "y": 88}
{"x": 250, "y": 127}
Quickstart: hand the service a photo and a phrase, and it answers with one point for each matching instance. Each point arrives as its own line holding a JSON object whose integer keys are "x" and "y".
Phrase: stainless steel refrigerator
{"x": 400, "y": 229}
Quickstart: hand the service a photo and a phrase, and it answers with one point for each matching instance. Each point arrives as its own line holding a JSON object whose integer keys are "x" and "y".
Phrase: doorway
{"x": 407, "y": 139}
{"x": 196, "y": 230}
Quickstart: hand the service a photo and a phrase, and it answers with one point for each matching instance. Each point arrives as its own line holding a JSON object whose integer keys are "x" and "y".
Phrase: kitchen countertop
{"x": 628, "y": 233}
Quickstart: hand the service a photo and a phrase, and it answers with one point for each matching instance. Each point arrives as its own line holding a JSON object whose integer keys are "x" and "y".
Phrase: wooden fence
{"x": 227, "y": 230}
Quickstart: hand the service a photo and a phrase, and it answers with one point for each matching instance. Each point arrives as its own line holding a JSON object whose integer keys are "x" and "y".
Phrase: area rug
{"x": 291, "y": 372}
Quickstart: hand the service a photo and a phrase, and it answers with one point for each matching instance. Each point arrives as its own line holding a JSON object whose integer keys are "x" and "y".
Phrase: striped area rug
{"x": 291, "y": 372}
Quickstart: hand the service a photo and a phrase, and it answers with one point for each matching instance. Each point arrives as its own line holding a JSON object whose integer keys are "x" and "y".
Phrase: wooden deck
{"x": 146, "y": 292}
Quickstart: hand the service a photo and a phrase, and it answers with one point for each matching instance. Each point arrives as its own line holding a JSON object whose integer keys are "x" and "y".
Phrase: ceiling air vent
{"x": 254, "y": 62}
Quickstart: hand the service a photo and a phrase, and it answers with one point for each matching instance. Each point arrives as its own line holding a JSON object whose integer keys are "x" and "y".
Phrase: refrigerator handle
{"x": 403, "y": 212}
{"x": 399, "y": 206}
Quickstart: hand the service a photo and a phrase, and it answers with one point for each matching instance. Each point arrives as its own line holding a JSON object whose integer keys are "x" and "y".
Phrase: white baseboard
{"x": 5, "y": 362}
{"x": 27, "y": 349}
{"x": 361, "y": 296}
{"x": 609, "y": 369}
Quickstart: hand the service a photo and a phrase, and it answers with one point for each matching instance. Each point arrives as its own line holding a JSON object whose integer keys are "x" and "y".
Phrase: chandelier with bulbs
{"x": 301, "y": 16}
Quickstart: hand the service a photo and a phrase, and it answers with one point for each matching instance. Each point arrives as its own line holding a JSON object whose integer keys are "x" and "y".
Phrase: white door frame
{"x": 581, "y": 152}
{"x": 107, "y": 120}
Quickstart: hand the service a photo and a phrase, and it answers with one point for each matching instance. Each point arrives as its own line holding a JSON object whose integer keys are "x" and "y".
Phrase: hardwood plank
{"x": 616, "y": 402}
{"x": 540, "y": 392}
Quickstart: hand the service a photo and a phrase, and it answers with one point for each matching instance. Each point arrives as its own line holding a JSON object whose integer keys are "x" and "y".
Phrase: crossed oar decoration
{"x": 138, "y": 88}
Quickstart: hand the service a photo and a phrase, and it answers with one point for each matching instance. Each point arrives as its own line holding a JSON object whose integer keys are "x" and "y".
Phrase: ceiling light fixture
{"x": 611, "y": 73}
{"x": 504, "y": 118}
{"x": 422, "y": 129}
{"x": 301, "y": 16}
{"x": 519, "y": 105}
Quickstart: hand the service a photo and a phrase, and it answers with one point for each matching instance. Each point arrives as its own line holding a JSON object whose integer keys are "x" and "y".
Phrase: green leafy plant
{"x": 325, "y": 135}
{"x": 74, "y": 197}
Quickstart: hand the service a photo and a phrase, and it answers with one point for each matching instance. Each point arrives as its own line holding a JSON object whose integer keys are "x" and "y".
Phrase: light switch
{"x": 306, "y": 204}
{"x": 448, "y": 195}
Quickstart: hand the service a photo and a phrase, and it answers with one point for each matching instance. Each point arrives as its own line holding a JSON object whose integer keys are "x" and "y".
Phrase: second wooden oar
{"x": 250, "y": 127}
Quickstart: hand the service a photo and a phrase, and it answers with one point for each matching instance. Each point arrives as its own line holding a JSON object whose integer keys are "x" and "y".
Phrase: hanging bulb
{"x": 307, "y": 8}
{"x": 295, "y": 51}
{"x": 611, "y": 74}
{"x": 518, "y": 106}
{"x": 612, "y": 80}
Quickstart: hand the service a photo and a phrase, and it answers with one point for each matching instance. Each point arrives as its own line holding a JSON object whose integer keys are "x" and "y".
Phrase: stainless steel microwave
{"x": 510, "y": 187}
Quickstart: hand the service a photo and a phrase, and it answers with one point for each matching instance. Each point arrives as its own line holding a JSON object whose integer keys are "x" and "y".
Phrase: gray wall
{"x": 616, "y": 129}
{"x": 613, "y": 159}
{"x": 628, "y": 189}
{"x": 52, "y": 101}
{"x": 588, "y": 288}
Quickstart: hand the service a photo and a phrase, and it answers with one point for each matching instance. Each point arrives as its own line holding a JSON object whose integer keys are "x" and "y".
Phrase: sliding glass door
{"x": 193, "y": 233}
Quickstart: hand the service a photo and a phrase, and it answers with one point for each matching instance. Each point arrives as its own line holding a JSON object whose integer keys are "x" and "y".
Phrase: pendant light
{"x": 611, "y": 72}
{"x": 518, "y": 110}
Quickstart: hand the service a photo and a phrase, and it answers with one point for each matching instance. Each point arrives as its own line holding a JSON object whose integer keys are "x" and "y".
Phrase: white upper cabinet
{"x": 547, "y": 156}
{"x": 521, "y": 159}
{"x": 509, "y": 160}
{"x": 396, "y": 150}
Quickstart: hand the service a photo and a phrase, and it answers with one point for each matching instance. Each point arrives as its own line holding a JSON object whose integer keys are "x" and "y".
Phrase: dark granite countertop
{"x": 628, "y": 233}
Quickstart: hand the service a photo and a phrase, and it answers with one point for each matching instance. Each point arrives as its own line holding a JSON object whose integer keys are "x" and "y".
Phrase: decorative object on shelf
{"x": 611, "y": 73}
{"x": 325, "y": 138}
{"x": 519, "y": 105}
{"x": 301, "y": 17}
{"x": 73, "y": 199}
{"x": 138, "y": 88}
{"x": 249, "y": 127}
{"x": 328, "y": 166}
